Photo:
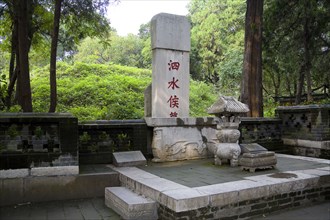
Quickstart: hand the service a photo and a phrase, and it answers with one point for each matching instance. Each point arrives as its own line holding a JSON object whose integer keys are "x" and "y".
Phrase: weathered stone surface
{"x": 227, "y": 109}
{"x": 258, "y": 160}
{"x": 178, "y": 143}
{"x": 12, "y": 191}
{"x": 130, "y": 205}
{"x": 182, "y": 138}
{"x": 170, "y": 122}
{"x": 227, "y": 104}
{"x": 229, "y": 151}
{"x": 129, "y": 158}
{"x": 307, "y": 143}
{"x": 180, "y": 200}
{"x": 170, "y": 32}
{"x": 57, "y": 136}
{"x": 55, "y": 171}
{"x": 170, "y": 87}
{"x": 147, "y": 101}
{"x": 145, "y": 183}
{"x": 170, "y": 37}
{"x": 15, "y": 173}
{"x": 278, "y": 183}
{"x": 252, "y": 148}
{"x": 51, "y": 188}
{"x": 239, "y": 197}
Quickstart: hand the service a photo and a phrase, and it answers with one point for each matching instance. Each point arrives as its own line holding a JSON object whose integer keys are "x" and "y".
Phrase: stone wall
{"x": 99, "y": 139}
{"x": 249, "y": 208}
{"x": 30, "y": 140}
{"x": 311, "y": 122}
{"x": 264, "y": 131}
{"x": 306, "y": 129}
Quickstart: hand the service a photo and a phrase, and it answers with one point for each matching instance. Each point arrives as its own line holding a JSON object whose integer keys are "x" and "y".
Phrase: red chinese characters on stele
{"x": 174, "y": 101}
{"x": 173, "y": 84}
{"x": 173, "y": 65}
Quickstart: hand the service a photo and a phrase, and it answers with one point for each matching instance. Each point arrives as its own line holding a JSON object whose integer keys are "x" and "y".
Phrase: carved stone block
{"x": 261, "y": 160}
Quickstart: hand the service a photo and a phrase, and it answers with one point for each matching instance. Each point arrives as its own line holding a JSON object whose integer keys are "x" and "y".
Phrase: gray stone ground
{"x": 195, "y": 173}
{"x": 189, "y": 173}
{"x": 316, "y": 212}
{"x": 95, "y": 209}
{"x": 60, "y": 210}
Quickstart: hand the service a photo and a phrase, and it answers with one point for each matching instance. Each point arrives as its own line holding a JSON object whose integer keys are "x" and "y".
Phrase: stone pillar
{"x": 170, "y": 42}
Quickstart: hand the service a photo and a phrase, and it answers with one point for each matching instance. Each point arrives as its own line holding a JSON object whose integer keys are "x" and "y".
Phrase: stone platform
{"x": 186, "y": 188}
{"x": 235, "y": 194}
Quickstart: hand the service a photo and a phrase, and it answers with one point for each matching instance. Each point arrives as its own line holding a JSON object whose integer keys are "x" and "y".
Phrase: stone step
{"x": 130, "y": 205}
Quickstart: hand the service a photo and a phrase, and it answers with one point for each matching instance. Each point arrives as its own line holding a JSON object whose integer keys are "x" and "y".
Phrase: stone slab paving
{"x": 174, "y": 180}
{"x": 196, "y": 173}
{"x": 60, "y": 210}
{"x": 315, "y": 212}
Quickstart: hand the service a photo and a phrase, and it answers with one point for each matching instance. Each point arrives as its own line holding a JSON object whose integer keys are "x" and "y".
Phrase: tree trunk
{"x": 23, "y": 48}
{"x": 307, "y": 59}
{"x": 12, "y": 71}
{"x": 53, "y": 52}
{"x": 251, "y": 87}
{"x": 300, "y": 85}
{"x": 305, "y": 70}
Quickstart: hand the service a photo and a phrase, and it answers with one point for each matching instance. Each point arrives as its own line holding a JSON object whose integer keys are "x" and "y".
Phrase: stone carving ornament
{"x": 227, "y": 109}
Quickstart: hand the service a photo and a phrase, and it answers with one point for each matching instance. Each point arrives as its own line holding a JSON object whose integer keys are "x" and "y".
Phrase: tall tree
{"x": 81, "y": 18}
{"x": 305, "y": 70}
{"x": 217, "y": 42}
{"x": 52, "y": 78}
{"x": 251, "y": 88}
{"x": 297, "y": 45}
{"x": 22, "y": 8}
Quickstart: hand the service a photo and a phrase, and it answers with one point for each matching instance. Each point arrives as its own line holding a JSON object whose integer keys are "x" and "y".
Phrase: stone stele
{"x": 170, "y": 40}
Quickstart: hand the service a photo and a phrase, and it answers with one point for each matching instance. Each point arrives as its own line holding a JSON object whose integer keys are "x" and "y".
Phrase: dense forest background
{"x": 101, "y": 75}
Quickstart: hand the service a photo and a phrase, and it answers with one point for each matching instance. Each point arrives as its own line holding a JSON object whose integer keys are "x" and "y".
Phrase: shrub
{"x": 106, "y": 91}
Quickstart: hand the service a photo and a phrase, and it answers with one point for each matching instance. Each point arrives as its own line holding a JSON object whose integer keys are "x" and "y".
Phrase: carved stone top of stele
{"x": 227, "y": 105}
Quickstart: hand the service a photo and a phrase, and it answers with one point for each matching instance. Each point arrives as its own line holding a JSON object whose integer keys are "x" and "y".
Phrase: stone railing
{"x": 39, "y": 139}
{"x": 99, "y": 139}
{"x": 265, "y": 131}
{"x": 30, "y": 140}
{"x": 306, "y": 129}
{"x": 103, "y": 137}
{"x": 310, "y": 122}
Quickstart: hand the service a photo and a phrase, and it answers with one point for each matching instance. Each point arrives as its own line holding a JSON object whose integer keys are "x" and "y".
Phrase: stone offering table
{"x": 256, "y": 157}
{"x": 261, "y": 160}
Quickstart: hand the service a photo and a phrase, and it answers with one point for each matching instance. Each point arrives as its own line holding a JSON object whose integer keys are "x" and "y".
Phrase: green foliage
{"x": 125, "y": 51}
{"x": 217, "y": 41}
{"x": 12, "y": 131}
{"x": 106, "y": 91}
{"x": 85, "y": 137}
{"x": 201, "y": 97}
{"x": 290, "y": 28}
{"x": 104, "y": 136}
{"x": 124, "y": 141}
{"x": 269, "y": 108}
{"x": 38, "y": 132}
